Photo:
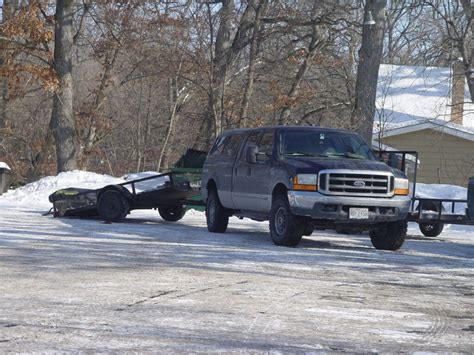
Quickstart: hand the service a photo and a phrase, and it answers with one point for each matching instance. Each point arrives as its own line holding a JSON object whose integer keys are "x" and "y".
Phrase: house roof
{"x": 419, "y": 125}
{"x": 411, "y": 99}
{"x": 406, "y": 93}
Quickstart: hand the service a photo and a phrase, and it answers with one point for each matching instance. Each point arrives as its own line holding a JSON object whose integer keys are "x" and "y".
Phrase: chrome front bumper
{"x": 336, "y": 208}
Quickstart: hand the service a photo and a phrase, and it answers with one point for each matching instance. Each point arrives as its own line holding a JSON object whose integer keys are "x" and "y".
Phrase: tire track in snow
{"x": 164, "y": 293}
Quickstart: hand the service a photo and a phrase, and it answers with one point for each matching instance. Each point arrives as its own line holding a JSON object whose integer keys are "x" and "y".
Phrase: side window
{"x": 252, "y": 139}
{"x": 232, "y": 145}
{"x": 266, "y": 143}
{"x": 218, "y": 146}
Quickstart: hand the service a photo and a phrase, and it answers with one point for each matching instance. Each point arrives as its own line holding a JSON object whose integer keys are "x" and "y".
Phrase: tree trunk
{"x": 219, "y": 66}
{"x": 370, "y": 56}
{"x": 468, "y": 9}
{"x": 163, "y": 158}
{"x": 251, "y": 70}
{"x": 62, "y": 117}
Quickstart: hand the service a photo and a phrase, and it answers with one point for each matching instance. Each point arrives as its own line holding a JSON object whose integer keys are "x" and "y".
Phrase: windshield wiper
{"x": 306, "y": 154}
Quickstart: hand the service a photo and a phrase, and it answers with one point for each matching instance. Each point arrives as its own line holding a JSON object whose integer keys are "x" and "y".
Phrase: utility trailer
{"x": 431, "y": 214}
{"x": 169, "y": 192}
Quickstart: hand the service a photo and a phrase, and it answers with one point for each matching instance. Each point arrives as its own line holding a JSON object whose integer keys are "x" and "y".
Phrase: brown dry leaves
{"x": 24, "y": 39}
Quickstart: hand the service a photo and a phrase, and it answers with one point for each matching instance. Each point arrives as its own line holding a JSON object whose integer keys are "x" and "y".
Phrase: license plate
{"x": 358, "y": 213}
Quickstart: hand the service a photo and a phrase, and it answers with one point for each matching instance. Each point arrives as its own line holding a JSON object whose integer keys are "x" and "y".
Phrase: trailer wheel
{"x": 285, "y": 229}
{"x": 112, "y": 206}
{"x": 431, "y": 229}
{"x": 172, "y": 213}
{"x": 217, "y": 217}
{"x": 390, "y": 236}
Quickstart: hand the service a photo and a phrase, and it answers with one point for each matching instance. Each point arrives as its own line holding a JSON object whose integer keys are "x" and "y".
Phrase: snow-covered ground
{"x": 148, "y": 285}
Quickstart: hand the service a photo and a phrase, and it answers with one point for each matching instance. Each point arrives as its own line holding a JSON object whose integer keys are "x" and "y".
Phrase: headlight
{"x": 401, "y": 186}
{"x": 305, "y": 182}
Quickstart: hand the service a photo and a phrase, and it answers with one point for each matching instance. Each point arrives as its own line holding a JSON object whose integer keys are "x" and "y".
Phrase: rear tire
{"x": 172, "y": 213}
{"x": 112, "y": 206}
{"x": 430, "y": 229}
{"x": 389, "y": 236}
{"x": 217, "y": 217}
{"x": 285, "y": 228}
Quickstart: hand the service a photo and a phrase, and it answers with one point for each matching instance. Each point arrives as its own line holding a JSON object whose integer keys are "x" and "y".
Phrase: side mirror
{"x": 252, "y": 152}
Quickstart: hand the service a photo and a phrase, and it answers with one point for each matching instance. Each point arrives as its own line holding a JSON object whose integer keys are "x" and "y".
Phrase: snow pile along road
{"x": 147, "y": 285}
{"x": 36, "y": 194}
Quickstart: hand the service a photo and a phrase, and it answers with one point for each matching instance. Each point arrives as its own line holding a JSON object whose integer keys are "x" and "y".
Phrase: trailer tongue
{"x": 170, "y": 193}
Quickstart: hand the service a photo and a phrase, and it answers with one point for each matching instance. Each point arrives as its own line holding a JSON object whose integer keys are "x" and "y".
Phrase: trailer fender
{"x": 127, "y": 194}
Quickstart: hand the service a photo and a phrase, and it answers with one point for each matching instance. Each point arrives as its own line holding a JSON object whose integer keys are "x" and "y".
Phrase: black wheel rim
{"x": 112, "y": 206}
{"x": 429, "y": 227}
{"x": 281, "y": 221}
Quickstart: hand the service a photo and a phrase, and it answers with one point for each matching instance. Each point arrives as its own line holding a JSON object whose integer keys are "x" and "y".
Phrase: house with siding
{"x": 427, "y": 110}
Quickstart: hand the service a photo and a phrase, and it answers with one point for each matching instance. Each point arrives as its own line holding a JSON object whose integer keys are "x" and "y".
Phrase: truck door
{"x": 252, "y": 181}
{"x": 222, "y": 163}
{"x": 241, "y": 192}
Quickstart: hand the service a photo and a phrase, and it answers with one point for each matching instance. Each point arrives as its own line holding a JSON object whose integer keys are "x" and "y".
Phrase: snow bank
{"x": 35, "y": 194}
{"x": 4, "y": 165}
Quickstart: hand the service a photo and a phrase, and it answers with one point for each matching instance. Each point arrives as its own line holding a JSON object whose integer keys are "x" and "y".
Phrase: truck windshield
{"x": 330, "y": 144}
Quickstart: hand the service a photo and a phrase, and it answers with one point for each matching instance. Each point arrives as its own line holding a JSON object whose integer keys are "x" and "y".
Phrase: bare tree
{"x": 62, "y": 117}
{"x": 253, "y": 52}
{"x": 370, "y": 56}
{"x": 468, "y": 46}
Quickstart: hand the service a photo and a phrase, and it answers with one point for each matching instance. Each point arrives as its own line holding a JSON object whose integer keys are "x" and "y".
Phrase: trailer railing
{"x": 401, "y": 164}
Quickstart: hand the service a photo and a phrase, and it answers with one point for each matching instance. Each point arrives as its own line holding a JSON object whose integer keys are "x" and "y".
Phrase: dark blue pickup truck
{"x": 301, "y": 179}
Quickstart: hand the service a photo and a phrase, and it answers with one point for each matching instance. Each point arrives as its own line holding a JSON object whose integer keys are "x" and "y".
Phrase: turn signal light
{"x": 305, "y": 182}
{"x": 403, "y": 192}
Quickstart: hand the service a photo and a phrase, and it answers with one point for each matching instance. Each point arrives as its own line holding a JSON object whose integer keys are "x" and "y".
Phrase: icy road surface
{"x": 149, "y": 285}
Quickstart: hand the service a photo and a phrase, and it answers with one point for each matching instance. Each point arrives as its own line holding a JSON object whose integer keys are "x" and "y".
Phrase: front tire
{"x": 112, "y": 206}
{"x": 389, "y": 236}
{"x": 172, "y": 213}
{"x": 285, "y": 229}
{"x": 431, "y": 229}
{"x": 217, "y": 217}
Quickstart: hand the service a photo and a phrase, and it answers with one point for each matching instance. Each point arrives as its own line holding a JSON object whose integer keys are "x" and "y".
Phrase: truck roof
{"x": 244, "y": 130}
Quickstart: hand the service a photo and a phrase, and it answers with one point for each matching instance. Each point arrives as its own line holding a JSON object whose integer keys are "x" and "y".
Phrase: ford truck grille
{"x": 348, "y": 182}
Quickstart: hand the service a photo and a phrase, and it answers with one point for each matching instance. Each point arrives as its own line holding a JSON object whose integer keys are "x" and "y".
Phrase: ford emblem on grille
{"x": 359, "y": 183}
